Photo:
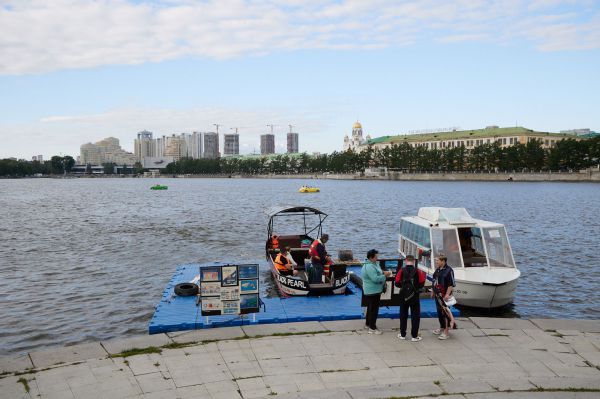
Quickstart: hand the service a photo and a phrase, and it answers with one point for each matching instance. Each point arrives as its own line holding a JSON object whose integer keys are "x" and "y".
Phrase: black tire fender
{"x": 186, "y": 289}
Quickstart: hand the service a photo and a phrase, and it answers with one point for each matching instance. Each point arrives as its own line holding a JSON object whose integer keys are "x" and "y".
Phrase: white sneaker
{"x": 437, "y": 331}
{"x": 366, "y": 327}
{"x": 375, "y": 331}
{"x": 401, "y": 337}
{"x": 443, "y": 336}
{"x": 416, "y": 339}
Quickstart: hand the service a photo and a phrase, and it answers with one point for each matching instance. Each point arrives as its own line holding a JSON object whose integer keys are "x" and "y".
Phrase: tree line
{"x": 57, "y": 165}
{"x": 567, "y": 154}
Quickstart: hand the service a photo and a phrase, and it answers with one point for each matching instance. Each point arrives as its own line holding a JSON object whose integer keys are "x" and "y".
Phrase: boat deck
{"x": 175, "y": 313}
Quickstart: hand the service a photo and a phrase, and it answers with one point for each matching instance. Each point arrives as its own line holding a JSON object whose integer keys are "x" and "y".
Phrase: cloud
{"x": 39, "y": 36}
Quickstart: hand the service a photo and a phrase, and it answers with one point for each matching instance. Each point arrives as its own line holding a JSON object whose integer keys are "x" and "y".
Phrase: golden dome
{"x": 357, "y": 125}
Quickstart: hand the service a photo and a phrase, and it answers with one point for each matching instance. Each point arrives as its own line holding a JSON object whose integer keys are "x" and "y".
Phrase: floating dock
{"x": 175, "y": 313}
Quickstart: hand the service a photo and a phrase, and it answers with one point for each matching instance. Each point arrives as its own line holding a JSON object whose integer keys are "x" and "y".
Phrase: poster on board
{"x": 230, "y": 307}
{"x": 211, "y": 306}
{"x": 210, "y": 288}
{"x": 230, "y": 293}
{"x": 248, "y": 271}
{"x": 249, "y": 286}
{"x": 210, "y": 274}
{"x": 229, "y": 276}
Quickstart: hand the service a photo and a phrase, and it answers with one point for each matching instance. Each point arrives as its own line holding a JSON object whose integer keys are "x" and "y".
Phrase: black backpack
{"x": 407, "y": 285}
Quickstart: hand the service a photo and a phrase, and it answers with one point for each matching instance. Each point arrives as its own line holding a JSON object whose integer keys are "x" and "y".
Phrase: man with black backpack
{"x": 409, "y": 279}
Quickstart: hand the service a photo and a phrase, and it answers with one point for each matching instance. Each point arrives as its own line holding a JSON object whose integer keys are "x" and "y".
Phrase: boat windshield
{"x": 445, "y": 241}
{"x": 498, "y": 249}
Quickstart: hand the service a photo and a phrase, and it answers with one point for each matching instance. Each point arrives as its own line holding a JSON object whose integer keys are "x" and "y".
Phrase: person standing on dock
{"x": 373, "y": 280}
{"x": 442, "y": 287}
{"x": 409, "y": 279}
{"x": 318, "y": 257}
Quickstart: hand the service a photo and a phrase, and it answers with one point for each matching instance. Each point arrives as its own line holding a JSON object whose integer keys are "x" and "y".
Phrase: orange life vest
{"x": 312, "y": 251}
{"x": 282, "y": 263}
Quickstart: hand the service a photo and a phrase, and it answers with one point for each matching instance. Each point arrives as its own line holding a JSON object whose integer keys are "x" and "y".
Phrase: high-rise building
{"x": 211, "y": 145}
{"x": 175, "y": 147}
{"x": 292, "y": 143}
{"x": 144, "y": 146}
{"x": 267, "y": 144}
{"x": 105, "y": 151}
{"x": 231, "y": 144}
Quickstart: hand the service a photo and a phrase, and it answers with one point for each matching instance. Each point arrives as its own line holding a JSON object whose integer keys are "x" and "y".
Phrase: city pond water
{"x": 88, "y": 259}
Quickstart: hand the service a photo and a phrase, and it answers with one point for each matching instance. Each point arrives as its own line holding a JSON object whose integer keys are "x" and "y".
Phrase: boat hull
{"x": 483, "y": 295}
{"x": 293, "y": 286}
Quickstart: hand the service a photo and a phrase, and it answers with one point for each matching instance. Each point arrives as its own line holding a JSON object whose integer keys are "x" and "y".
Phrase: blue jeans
{"x": 317, "y": 273}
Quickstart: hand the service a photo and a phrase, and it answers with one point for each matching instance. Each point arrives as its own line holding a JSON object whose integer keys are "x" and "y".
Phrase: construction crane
{"x": 291, "y": 126}
{"x": 271, "y": 126}
{"x": 217, "y": 126}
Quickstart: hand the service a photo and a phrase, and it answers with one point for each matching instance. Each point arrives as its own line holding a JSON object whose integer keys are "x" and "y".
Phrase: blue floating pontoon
{"x": 176, "y": 313}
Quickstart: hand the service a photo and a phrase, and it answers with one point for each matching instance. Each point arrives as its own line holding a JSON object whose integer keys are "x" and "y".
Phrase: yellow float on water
{"x": 308, "y": 189}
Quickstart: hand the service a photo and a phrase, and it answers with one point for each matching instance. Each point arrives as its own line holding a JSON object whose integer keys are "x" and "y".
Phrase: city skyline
{"x": 94, "y": 70}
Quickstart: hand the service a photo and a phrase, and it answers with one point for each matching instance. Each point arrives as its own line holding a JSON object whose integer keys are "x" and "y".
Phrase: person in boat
{"x": 443, "y": 285}
{"x": 373, "y": 280}
{"x": 274, "y": 241}
{"x": 319, "y": 257}
{"x": 410, "y": 279}
{"x": 285, "y": 263}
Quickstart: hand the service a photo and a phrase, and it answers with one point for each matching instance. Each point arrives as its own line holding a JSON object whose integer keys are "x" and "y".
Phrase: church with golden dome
{"x": 352, "y": 143}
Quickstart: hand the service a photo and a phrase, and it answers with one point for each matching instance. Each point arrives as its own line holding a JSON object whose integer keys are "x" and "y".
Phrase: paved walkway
{"x": 485, "y": 358}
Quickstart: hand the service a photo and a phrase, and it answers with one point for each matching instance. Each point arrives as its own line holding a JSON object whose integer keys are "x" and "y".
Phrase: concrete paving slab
{"x": 328, "y": 394}
{"x": 564, "y": 383}
{"x": 15, "y": 363}
{"x": 397, "y": 390}
{"x": 270, "y": 329}
{"x": 465, "y": 386}
{"x": 501, "y": 323}
{"x": 68, "y": 354}
{"x": 144, "y": 341}
{"x": 522, "y": 395}
{"x": 344, "y": 325}
{"x": 207, "y": 334}
{"x": 568, "y": 324}
{"x": 514, "y": 384}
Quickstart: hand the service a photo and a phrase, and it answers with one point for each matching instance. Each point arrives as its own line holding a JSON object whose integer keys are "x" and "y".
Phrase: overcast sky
{"x": 75, "y": 71}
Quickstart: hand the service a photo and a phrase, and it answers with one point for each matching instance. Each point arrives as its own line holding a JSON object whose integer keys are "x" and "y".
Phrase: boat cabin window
{"x": 445, "y": 241}
{"x": 415, "y": 233}
{"x": 471, "y": 246}
{"x": 497, "y": 246}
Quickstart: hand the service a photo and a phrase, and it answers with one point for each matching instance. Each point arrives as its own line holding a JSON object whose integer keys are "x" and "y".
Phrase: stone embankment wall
{"x": 587, "y": 176}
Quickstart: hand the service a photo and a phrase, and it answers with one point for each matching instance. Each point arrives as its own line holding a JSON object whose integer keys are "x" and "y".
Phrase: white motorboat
{"x": 477, "y": 250}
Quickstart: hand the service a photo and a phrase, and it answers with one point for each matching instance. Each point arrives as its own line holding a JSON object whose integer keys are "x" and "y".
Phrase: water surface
{"x": 87, "y": 259}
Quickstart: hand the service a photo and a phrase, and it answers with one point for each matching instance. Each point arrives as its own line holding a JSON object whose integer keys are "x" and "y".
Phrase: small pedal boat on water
{"x": 309, "y": 189}
{"x": 477, "y": 250}
{"x": 159, "y": 187}
{"x": 300, "y": 284}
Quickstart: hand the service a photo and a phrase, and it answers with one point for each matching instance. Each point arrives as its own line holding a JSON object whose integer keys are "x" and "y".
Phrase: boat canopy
{"x": 299, "y": 211}
{"x": 448, "y": 215}
{"x": 293, "y": 210}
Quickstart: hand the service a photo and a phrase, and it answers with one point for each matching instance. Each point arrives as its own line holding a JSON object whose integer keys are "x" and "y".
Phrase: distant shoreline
{"x": 588, "y": 176}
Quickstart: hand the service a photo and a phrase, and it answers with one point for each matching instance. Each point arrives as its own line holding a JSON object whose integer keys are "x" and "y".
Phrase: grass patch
{"x": 137, "y": 351}
{"x": 157, "y": 364}
{"x": 177, "y": 345}
{"x": 25, "y": 383}
{"x": 570, "y": 389}
{"x": 497, "y": 335}
{"x": 287, "y": 334}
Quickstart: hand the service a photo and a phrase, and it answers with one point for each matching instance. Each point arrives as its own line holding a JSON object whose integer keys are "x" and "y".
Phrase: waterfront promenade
{"x": 485, "y": 358}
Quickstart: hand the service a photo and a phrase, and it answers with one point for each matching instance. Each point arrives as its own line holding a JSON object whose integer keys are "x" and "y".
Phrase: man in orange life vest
{"x": 285, "y": 263}
{"x": 318, "y": 257}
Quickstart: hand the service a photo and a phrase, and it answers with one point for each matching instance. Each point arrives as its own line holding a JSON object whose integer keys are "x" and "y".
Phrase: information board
{"x": 229, "y": 289}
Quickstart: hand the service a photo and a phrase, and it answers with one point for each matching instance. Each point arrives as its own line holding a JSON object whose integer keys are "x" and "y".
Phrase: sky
{"x": 76, "y": 71}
